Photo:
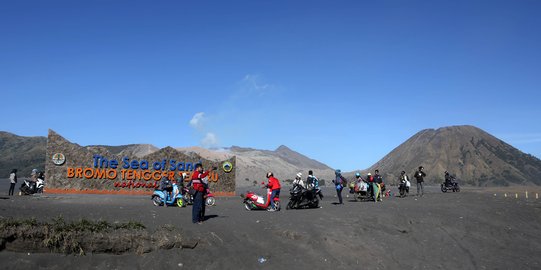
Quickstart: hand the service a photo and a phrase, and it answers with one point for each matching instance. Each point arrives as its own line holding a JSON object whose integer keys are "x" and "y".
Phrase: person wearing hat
{"x": 420, "y": 175}
{"x": 339, "y": 182}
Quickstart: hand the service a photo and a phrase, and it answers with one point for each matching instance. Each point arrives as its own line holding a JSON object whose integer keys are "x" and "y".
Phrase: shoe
{"x": 271, "y": 210}
{"x": 200, "y": 222}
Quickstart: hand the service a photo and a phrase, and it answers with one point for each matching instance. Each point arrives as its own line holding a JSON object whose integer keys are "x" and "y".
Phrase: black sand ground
{"x": 467, "y": 230}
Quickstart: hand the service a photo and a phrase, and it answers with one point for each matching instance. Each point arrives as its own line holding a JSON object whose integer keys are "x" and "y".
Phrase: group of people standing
{"x": 375, "y": 184}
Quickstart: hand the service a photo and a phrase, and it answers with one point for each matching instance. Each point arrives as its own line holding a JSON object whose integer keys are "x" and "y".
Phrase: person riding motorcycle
{"x": 313, "y": 183}
{"x": 403, "y": 181}
{"x": 298, "y": 181}
{"x": 448, "y": 179}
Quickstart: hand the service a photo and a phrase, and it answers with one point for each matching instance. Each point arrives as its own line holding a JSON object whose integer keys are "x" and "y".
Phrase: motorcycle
{"x": 450, "y": 185}
{"x": 360, "y": 191}
{"x": 404, "y": 188}
{"x": 210, "y": 200}
{"x": 253, "y": 201}
{"x": 159, "y": 197}
{"x": 303, "y": 198}
{"x": 30, "y": 187}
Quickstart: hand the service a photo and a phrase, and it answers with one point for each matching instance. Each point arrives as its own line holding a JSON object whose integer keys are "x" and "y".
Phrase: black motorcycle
{"x": 452, "y": 185}
{"x": 403, "y": 189}
{"x": 303, "y": 198}
{"x": 28, "y": 188}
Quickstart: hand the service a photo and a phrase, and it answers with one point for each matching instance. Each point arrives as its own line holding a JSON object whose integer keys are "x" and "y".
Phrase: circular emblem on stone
{"x": 59, "y": 159}
{"x": 227, "y": 166}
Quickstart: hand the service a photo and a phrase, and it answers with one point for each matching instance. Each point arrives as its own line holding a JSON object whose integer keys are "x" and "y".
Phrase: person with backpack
{"x": 13, "y": 180}
{"x": 339, "y": 183}
{"x": 420, "y": 175}
{"x": 200, "y": 188}
{"x": 314, "y": 183}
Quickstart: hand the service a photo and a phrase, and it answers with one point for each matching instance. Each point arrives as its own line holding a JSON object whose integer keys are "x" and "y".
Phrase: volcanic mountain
{"x": 474, "y": 156}
{"x": 21, "y": 153}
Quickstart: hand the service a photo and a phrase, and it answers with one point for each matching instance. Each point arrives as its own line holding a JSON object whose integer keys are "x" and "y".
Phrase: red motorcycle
{"x": 209, "y": 197}
{"x": 252, "y": 201}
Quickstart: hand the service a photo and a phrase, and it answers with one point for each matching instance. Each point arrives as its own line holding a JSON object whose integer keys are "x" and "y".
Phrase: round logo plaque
{"x": 59, "y": 159}
{"x": 227, "y": 166}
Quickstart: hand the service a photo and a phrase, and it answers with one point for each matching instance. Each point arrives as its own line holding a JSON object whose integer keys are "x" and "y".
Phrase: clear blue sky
{"x": 343, "y": 82}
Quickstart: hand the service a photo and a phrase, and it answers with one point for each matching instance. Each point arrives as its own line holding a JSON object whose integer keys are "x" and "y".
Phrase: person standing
{"x": 274, "y": 185}
{"x": 13, "y": 180}
{"x": 339, "y": 181}
{"x": 198, "y": 198}
{"x": 420, "y": 175}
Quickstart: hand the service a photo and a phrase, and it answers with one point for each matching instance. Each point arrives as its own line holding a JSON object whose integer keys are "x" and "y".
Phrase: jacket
{"x": 197, "y": 183}
{"x": 274, "y": 183}
{"x": 419, "y": 175}
{"x": 13, "y": 178}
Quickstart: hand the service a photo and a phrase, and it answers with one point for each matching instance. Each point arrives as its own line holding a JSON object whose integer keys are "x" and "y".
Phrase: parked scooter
{"x": 252, "y": 201}
{"x": 159, "y": 197}
{"x": 210, "y": 200}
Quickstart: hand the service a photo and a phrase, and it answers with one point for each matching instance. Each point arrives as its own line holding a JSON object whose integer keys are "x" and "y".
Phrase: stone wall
{"x": 64, "y": 179}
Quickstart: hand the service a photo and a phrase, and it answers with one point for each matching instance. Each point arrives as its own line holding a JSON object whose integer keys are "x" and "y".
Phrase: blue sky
{"x": 343, "y": 82}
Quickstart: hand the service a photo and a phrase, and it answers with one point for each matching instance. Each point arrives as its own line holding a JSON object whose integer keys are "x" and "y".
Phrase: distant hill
{"x": 26, "y": 153}
{"x": 21, "y": 153}
{"x": 473, "y": 155}
{"x": 253, "y": 164}
{"x": 137, "y": 150}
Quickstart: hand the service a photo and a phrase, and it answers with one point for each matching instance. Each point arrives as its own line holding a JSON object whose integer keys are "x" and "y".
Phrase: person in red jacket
{"x": 274, "y": 185}
{"x": 198, "y": 209}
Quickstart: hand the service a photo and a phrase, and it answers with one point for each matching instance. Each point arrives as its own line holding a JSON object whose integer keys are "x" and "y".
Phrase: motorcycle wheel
{"x": 443, "y": 188}
{"x": 248, "y": 206}
{"x": 289, "y": 205}
{"x": 277, "y": 205}
{"x": 156, "y": 200}
{"x": 457, "y": 188}
{"x": 180, "y": 203}
{"x": 210, "y": 201}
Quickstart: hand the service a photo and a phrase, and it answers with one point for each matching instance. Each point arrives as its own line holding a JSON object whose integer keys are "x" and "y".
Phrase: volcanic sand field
{"x": 472, "y": 229}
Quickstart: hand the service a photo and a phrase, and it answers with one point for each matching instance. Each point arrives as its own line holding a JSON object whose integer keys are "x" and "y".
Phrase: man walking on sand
{"x": 419, "y": 175}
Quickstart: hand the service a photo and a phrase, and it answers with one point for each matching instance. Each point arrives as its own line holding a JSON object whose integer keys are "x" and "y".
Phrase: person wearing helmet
{"x": 298, "y": 180}
{"x": 420, "y": 175}
{"x": 274, "y": 185}
{"x": 448, "y": 179}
